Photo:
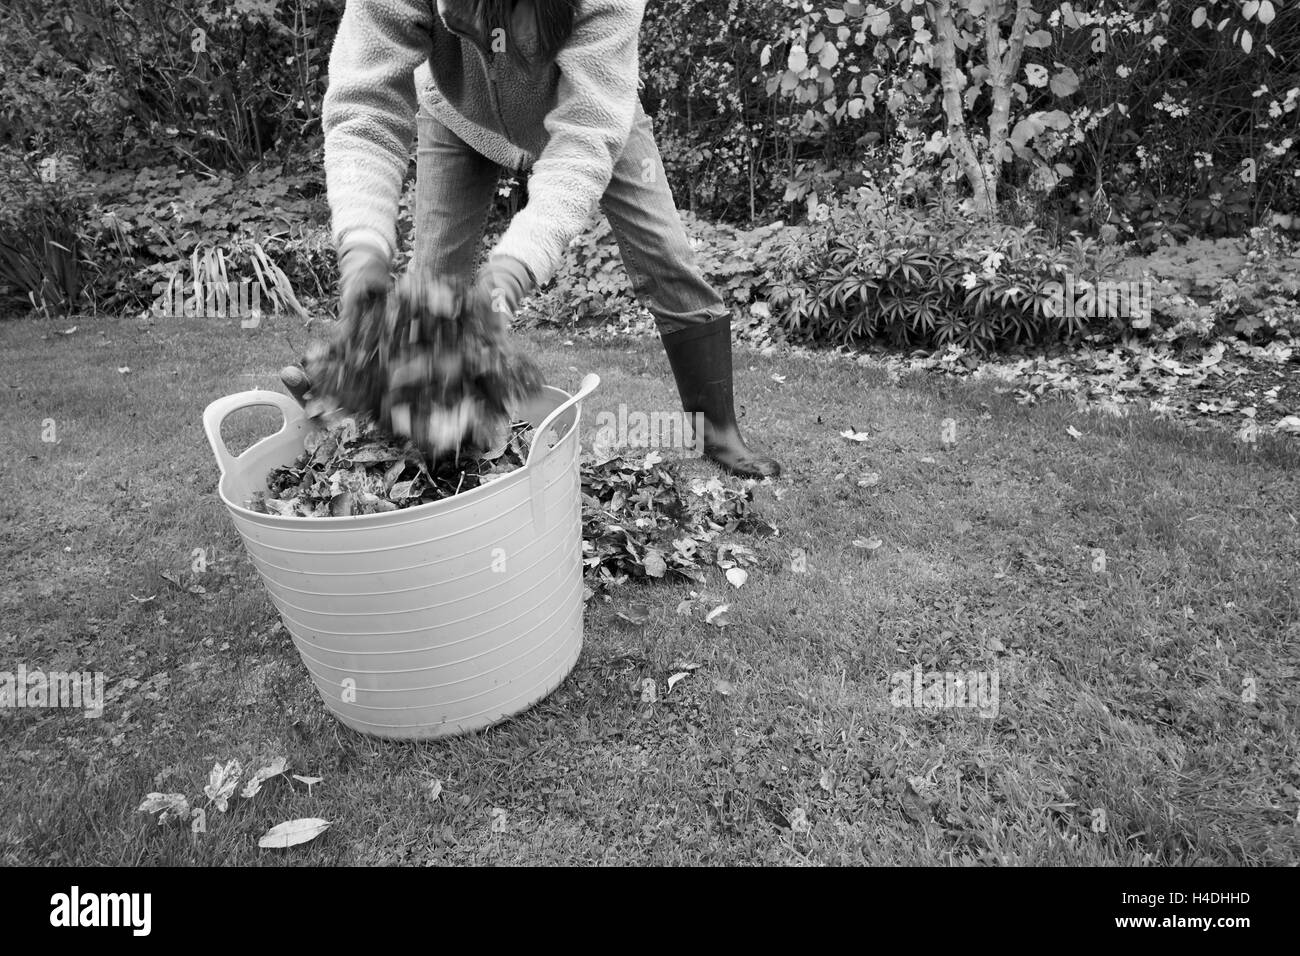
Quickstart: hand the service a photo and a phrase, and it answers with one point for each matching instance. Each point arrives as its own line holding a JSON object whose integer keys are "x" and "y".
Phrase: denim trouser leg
{"x": 453, "y": 192}
{"x": 656, "y": 252}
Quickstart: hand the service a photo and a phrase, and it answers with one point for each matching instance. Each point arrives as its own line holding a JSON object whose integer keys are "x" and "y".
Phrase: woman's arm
{"x": 588, "y": 128}
{"x": 369, "y": 116}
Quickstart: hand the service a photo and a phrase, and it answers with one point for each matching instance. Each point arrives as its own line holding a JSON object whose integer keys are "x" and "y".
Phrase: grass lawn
{"x": 1146, "y": 709}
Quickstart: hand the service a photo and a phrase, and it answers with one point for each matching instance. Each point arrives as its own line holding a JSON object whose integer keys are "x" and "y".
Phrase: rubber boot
{"x": 700, "y": 357}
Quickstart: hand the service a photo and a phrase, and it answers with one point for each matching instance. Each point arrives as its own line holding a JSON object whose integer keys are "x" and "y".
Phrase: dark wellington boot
{"x": 700, "y": 357}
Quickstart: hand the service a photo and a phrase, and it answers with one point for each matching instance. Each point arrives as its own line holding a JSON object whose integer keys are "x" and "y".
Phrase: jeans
{"x": 455, "y": 186}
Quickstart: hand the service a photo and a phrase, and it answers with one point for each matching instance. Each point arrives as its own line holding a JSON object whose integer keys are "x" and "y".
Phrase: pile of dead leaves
{"x": 356, "y": 469}
{"x": 640, "y": 521}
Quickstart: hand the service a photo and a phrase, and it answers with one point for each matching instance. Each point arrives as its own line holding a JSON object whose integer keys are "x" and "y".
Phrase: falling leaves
{"x": 437, "y": 363}
{"x": 293, "y": 832}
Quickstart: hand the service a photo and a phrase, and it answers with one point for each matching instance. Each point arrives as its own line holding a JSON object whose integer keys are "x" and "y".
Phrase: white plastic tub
{"x": 434, "y": 620}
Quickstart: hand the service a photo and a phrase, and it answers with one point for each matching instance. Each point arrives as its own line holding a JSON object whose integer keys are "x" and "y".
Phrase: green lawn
{"x": 1121, "y": 733}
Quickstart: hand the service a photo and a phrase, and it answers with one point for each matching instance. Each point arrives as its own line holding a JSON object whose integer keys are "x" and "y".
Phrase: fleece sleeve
{"x": 368, "y": 115}
{"x": 587, "y": 130}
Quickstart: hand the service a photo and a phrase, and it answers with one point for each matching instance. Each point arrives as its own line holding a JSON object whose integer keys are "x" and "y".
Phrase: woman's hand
{"x": 363, "y": 282}
{"x": 503, "y": 282}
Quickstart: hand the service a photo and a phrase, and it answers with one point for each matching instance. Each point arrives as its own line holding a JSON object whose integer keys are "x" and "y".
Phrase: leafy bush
{"x": 40, "y": 243}
{"x": 116, "y": 241}
{"x": 213, "y": 84}
{"x": 1257, "y": 297}
{"x": 156, "y": 222}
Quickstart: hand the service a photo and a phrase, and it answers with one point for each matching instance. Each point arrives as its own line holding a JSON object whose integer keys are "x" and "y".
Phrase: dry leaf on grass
{"x": 168, "y": 806}
{"x": 222, "y": 781}
{"x": 254, "y": 786}
{"x": 679, "y": 676}
{"x": 292, "y": 832}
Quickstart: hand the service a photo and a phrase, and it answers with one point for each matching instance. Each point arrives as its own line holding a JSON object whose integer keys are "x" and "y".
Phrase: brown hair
{"x": 554, "y": 21}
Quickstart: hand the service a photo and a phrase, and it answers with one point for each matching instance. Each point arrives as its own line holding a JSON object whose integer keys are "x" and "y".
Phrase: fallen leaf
{"x": 869, "y": 480}
{"x": 638, "y": 614}
{"x": 852, "y": 435}
{"x": 499, "y": 819}
{"x": 1074, "y": 432}
{"x": 124, "y": 370}
{"x": 868, "y": 544}
{"x": 799, "y": 820}
{"x": 435, "y": 789}
{"x": 827, "y": 781}
{"x": 254, "y": 786}
{"x": 649, "y": 691}
{"x": 1290, "y": 425}
{"x": 654, "y": 564}
{"x": 684, "y": 607}
{"x": 67, "y": 331}
{"x": 718, "y": 616}
{"x": 737, "y": 577}
{"x": 292, "y": 832}
{"x": 672, "y": 681}
{"x": 724, "y": 687}
{"x": 168, "y": 806}
{"x": 222, "y": 782}
{"x": 779, "y": 379}
{"x": 927, "y": 460}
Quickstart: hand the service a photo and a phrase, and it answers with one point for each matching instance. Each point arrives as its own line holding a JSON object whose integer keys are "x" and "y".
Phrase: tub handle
{"x": 217, "y": 412}
{"x": 540, "y": 451}
{"x": 537, "y": 454}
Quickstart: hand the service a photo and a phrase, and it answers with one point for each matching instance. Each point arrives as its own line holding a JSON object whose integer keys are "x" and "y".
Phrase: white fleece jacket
{"x": 568, "y": 120}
